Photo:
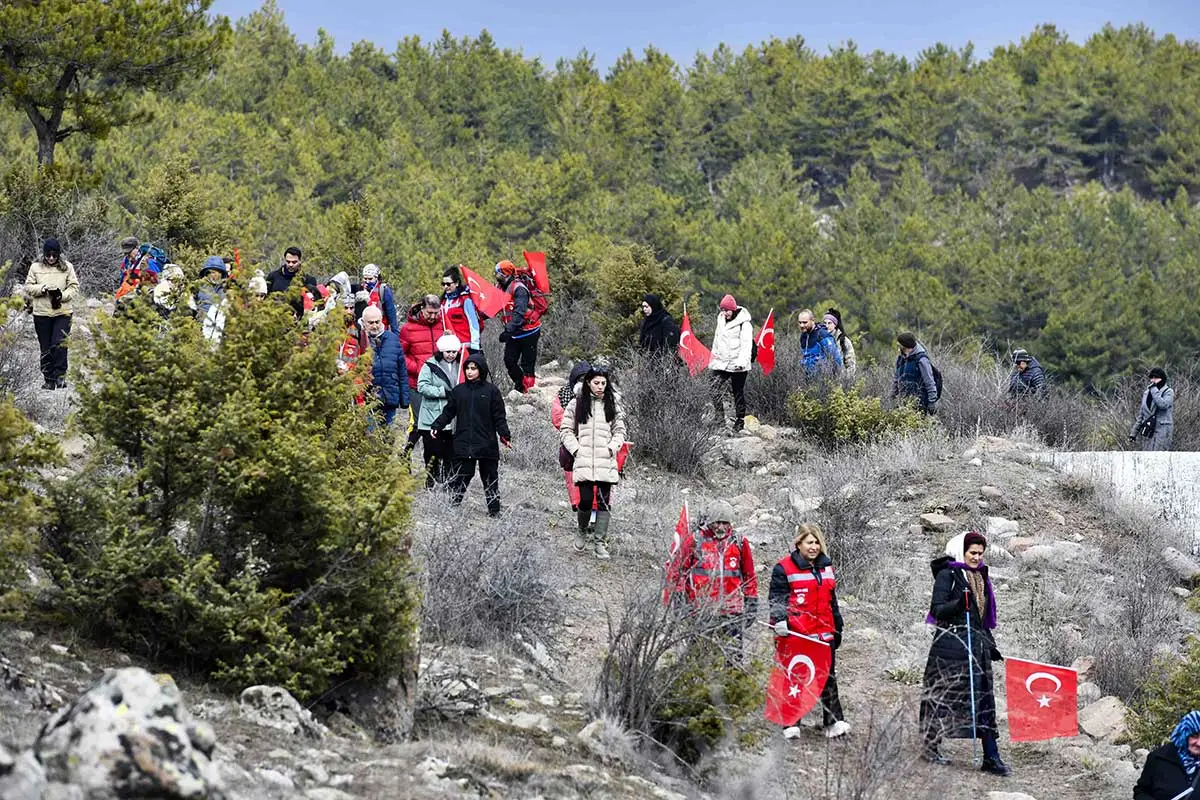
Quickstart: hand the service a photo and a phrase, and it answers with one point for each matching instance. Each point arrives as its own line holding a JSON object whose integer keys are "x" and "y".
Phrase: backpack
{"x": 937, "y": 375}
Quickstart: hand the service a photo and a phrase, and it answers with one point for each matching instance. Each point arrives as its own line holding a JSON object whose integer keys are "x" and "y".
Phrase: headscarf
{"x": 1188, "y": 726}
{"x": 955, "y": 549}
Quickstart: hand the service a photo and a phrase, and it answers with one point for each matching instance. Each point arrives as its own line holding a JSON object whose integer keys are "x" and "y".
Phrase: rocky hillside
{"x": 515, "y": 718}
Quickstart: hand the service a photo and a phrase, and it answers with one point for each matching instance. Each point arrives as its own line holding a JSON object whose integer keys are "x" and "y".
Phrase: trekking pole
{"x": 971, "y": 675}
{"x": 1191, "y": 790}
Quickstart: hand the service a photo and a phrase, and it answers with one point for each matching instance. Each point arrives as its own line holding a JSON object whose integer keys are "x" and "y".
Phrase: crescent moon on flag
{"x": 1039, "y": 675}
{"x": 675, "y": 543}
{"x": 806, "y": 661}
{"x": 682, "y": 337}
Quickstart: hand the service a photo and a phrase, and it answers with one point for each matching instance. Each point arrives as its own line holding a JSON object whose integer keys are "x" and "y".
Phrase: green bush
{"x": 1169, "y": 691}
{"x": 835, "y": 415}
{"x": 239, "y": 516}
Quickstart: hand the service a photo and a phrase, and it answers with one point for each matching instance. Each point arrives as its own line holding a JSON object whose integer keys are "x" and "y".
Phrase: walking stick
{"x": 1191, "y": 790}
{"x": 971, "y": 675}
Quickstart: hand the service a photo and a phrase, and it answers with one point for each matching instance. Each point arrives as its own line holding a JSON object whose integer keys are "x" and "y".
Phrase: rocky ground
{"x": 515, "y": 719}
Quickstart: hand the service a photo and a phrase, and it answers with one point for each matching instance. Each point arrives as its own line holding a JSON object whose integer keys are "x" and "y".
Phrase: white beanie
{"x": 370, "y": 272}
{"x": 448, "y": 341}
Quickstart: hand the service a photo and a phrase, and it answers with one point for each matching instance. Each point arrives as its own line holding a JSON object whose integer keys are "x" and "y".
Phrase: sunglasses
{"x": 447, "y": 283}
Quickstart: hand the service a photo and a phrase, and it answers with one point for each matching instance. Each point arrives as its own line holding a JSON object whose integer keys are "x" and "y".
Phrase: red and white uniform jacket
{"x": 721, "y": 570}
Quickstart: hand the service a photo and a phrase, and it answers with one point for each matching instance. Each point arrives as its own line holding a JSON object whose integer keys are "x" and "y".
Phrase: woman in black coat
{"x": 479, "y": 410}
{"x": 962, "y": 594}
{"x": 1172, "y": 769}
{"x": 659, "y": 332}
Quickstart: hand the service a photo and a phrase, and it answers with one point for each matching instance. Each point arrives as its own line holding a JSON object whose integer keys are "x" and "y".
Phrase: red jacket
{"x": 808, "y": 593}
{"x": 419, "y": 340}
{"x": 707, "y": 568}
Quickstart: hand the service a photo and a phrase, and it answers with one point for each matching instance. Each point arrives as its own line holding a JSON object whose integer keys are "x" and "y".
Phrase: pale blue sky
{"x": 553, "y": 28}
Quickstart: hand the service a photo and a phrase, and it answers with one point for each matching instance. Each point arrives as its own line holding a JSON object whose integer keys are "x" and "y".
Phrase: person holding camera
{"x": 50, "y": 287}
{"x": 1155, "y": 420}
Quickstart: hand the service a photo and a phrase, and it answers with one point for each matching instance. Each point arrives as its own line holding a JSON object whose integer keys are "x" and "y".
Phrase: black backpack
{"x": 937, "y": 375}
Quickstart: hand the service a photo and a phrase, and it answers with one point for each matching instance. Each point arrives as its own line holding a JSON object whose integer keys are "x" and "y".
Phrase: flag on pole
{"x": 801, "y": 670}
{"x": 691, "y": 350}
{"x": 1042, "y": 700}
{"x": 670, "y": 568}
{"x": 489, "y": 298}
{"x": 623, "y": 455}
{"x": 537, "y": 266}
{"x": 766, "y": 344}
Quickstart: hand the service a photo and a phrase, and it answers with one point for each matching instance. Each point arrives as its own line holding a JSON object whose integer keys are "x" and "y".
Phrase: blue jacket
{"x": 914, "y": 378}
{"x": 1031, "y": 381}
{"x": 819, "y": 351}
{"x": 388, "y": 370}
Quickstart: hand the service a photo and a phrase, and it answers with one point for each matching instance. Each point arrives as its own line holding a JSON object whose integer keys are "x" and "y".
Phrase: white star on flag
{"x": 1043, "y": 702}
{"x": 793, "y": 690}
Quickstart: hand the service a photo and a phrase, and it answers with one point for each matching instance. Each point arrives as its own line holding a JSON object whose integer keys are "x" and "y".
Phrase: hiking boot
{"x": 839, "y": 728}
{"x": 581, "y": 540}
{"x": 601, "y": 551}
{"x": 996, "y": 767}
{"x": 601, "y": 535}
{"x": 934, "y": 757}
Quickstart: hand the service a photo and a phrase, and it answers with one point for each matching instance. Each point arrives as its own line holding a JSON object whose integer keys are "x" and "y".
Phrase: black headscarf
{"x": 658, "y": 331}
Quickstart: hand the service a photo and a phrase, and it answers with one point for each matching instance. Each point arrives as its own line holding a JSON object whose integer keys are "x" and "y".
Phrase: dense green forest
{"x": 1040, "y": 196}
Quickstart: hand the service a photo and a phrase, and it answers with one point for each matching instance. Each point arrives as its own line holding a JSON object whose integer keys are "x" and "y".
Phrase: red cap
{"x": 728, "y": 303}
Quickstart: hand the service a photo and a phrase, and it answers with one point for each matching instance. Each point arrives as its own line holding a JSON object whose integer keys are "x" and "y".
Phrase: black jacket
{"x": 1163, "y": 776}
{"x": 479, "y": 409}
{"x": 947, "y": 608}
{"x": 659, "y": 333}
{"x": 280, "y": 280}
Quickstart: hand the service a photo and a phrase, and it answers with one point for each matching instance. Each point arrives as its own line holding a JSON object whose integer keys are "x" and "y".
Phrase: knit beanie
{"x": 906, "y": 339}
{"x": 1160, "y": 373}
{"x": 128, "y": 243}
{"x": 728, "y": 303}
{"x": 448, "y": 341}
{"x": 51, "y": 246}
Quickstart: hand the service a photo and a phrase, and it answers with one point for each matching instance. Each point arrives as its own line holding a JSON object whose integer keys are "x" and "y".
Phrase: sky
{"x": 550, "y": 29}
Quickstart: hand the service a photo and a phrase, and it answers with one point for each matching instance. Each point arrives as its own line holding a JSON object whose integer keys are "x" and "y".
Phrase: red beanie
{"x": 728, "y": 303}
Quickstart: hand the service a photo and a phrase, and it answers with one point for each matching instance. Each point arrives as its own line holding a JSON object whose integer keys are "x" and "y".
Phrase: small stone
{"x": 527, "y": 722}
{"x": 327, "y": 793}
{"x": 24, "y": 637}
{"x": 916, "y": 530}
{"x": 1009, "y": 796}
{"x": 558, "y": 743}
{"x": 976, "y": 462}
{"x": 1181, "y": 592}
{"x": 275, "y": 778}
{"x": 315, "y": 772}
{"x": 548, "y": 700}
{"x": 999, "y": 526}
{"x": 60, "y": 649}
{"x": 991, "y": 492}
{"x": 938, "y": 522}
{"x": 1182, "y": 566}
{"x": 1056, "y": 517}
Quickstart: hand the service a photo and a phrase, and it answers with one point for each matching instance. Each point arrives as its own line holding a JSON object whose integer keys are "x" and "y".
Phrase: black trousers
{"x": 831, "y": 703}
{"x": 414, "y": 435}
{"x": 520, "y": 358}
{"x": 51, "y": 333}
{"x": 438, "y": 455}
{"x": 489, "y": 473}
{"x": 737, "y": 382}
{"x": 601, "y": 492}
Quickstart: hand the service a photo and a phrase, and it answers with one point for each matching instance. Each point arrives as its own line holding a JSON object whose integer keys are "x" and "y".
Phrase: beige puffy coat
{"x": 59, "y": 276}
{"x": 732, "y": 342}
{"x": 596, "y": 444}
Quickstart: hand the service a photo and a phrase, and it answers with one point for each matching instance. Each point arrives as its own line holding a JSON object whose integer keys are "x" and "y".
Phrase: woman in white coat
{"x": 733, "y": 344}
{"x": 592, "y": 431}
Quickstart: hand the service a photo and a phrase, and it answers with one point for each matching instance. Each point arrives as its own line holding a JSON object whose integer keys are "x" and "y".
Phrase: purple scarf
{"x": 989, "y": 620}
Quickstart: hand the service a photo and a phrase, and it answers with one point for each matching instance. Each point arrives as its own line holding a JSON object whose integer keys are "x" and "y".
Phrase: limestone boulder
{"x": 1104, "y": 719}
{"x": 274, "y": 707}
{"x": 744, "y": 452}
{"x": 937, "y": 522}
{"x": 1182, "y": 566}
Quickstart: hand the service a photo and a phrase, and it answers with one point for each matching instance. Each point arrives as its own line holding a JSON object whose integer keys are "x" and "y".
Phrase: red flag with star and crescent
{"x": 801, "y": 669}
{"x": 537, "y": 266}
{"x": 671, "y": 567}
{"x": 489, "y": 298}
{"x": 1042, "y": 700}
{"x": 692, "y": 350}
{"x": 766, "y": 344}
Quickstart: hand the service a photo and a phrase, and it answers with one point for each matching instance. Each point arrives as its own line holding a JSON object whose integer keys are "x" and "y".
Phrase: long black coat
{"x": 479, "y": 409}
{"x": 1163, "y": 776}
{"x": 659, "y": 333}
{"x": 946, "y": 691}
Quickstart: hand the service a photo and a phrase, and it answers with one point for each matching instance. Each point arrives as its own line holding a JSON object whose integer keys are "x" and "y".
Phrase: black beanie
{"x": 51, "y": 246}
{"x": 906, "y": 339}
{"x": 1160, "y": 373}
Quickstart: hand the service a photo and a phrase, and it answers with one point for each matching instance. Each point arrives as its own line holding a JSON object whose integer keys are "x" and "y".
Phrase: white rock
{"x": 327, "y": 793}
{"x": 274, "y": 707}
{"x": 527, "y": 722}
{"x": 999, "y": 526}
{"x": 314, "y": 771}
{"x": 1009, "y": 796}
{"x": 938, "y": 522}
{"x": 21, "y": 775}
{"x": 1104, "y": 719}
{"x": 803, "y": 506}
{"x": 744, "y": 452}
{"x": 274, "y": 778}
{"x": 1182, "y": 566}
{"x": 1056, "y": 517}
{"x": 991, "y": 492}
{"x": 976, "y": 462}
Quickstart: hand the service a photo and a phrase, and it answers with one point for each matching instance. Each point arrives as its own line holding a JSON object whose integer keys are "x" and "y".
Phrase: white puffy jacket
{"x": 732, "y": 342}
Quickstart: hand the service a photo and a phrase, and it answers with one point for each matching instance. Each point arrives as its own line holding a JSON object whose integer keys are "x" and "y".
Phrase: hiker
{"x": 732, "y": 345}
{"x": 130, "y": 258}
{"x": 522, "y": 323}
{"x": 459, "y": 315}
{"x": 280, "y": 280}
{"x": 389, "y": 376}
{"x": 957, "y": 678}
{"x": 379, "y": 294}
{"x": 50, "y": 287}
{"x": 257, "y": 285}
{"x": 1027, "y": 377}
{"x": 803, "y": 599}
{"x": 659, "y": 334}
{"x": 914, "y": 375}
{"x": 1155, "y": 419}
{"x": 1171, "y": 769}
{"x": 564, "y": 396}
{"x": 209, "y": 298}
{"x": 140, "y": 270}
{"x": 354, "y": 343}
{"x": 438, "y": 376}
{"x": 715, "y": 565}
{"x": 592, "y": 431}
{"x": 419, "y": 336}
{"x": 833, "y": 323}
{"x": 477, "y": 410}
{"x": 170, "y": 289}
{"x": 819, "y": 353}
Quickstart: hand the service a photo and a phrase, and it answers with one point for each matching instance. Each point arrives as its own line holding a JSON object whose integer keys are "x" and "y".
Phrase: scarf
{"x": 1188, "y": 726}
{"x": 981, "y": 588}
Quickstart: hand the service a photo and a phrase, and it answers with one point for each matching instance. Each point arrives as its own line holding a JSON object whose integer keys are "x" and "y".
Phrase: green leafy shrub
{"x": 835, "y": 415}
{"x": 1169, "y": 691}
{"x": 239, "y": 517}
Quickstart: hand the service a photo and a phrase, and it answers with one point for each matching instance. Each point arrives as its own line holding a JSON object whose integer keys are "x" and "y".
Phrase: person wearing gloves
{"x": 437, "y": 378}
{"x": 592, "y": 431}
{"x": 389, "y": 375}
{"x": 561, "y": 400}
{"x": 1174, "y": 767}
{"x": 803, "y": 599}
{"x": 958, "y": 680}
{"x": 1155, "y": 419}
{"x": 732, "y": 347}
{"x": 914, "y": 375}
{"x": 477, "y": 411}
{"x": 714, "y": 566}
{"x": 51, "y": 286}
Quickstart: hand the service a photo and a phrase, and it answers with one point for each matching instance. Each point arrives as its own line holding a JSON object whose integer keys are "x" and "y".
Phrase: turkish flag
{"x": 801, "y": 669}
{"x": 623, "y": 455}
{"x": 766, "y": 344}
{"x": 489, "y": 298}
{"x": 1042, "y": 700}
{"x": 671, "y": 567}
{"x": 691, "y": 350}
{"x": 537, "y": 266}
